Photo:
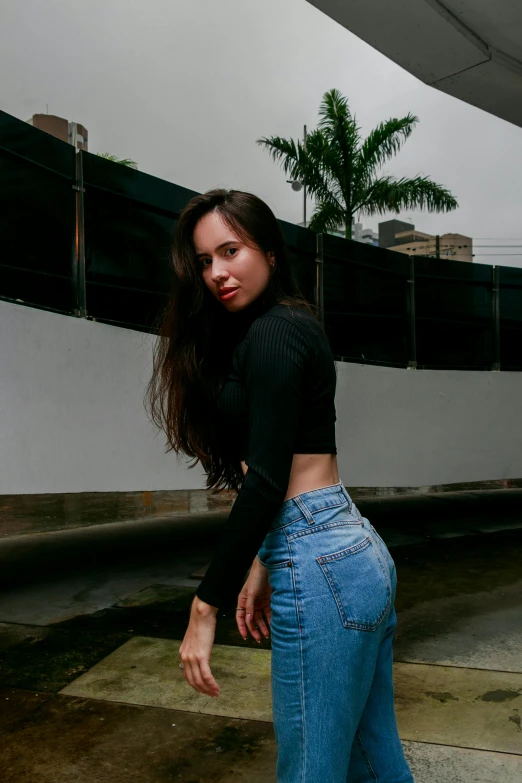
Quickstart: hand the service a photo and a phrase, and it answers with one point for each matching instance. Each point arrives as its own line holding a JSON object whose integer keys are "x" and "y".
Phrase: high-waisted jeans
{"x": 333, "y": 619}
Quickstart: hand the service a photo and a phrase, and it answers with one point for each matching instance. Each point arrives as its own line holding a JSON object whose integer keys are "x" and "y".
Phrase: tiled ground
{"x": 110, "y": 603}
{"x": 71, "y": 740}
{"x": 470, "y": 708}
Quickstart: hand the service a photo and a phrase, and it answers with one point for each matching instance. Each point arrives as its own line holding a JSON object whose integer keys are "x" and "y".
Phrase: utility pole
{"x": 297, "y": 184}
{"x": 304, "y": 186}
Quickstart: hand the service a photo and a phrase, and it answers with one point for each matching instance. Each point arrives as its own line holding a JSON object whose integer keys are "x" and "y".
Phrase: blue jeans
{"x": 333, "y": 621}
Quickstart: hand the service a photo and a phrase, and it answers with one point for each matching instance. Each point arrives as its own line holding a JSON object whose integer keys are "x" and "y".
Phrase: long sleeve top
{"x": 278, "y": 400}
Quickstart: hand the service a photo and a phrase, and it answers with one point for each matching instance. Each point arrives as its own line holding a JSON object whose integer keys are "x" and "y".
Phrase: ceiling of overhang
{"x": 471, "y": 49}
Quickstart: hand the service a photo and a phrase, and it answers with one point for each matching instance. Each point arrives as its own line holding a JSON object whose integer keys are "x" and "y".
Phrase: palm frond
{"x": 284, "y": 151}
{"x": 326, "y": 217}
{"x": 384, "y": 142}
{"x": 308, "y": 164}
{"x": 342, "y": 132}
{"x": 340, "y": 172}
{"x": 333, "y": 112}
{"x": 389, "y": 194}
{"x": 320, "y": 168}
{"x": 131, "y": 164}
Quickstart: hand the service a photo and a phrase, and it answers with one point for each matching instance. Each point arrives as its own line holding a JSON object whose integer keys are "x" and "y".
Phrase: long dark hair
{"x": 197, "y": 335}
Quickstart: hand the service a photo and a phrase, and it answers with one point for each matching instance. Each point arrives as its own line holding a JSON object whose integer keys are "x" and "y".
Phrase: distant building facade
{"x": 359, "y": 234}
{"x": 453, "y": 247}
{"x": 388, "y": 230}
{"x": 71, "y": 132}
{"x": 365, "y": 235}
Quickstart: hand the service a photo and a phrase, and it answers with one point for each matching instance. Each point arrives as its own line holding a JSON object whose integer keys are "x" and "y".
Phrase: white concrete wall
{"x": 71, "y": 409}
{"x": 399, "y": 428}
{"x": 72, "y": 417}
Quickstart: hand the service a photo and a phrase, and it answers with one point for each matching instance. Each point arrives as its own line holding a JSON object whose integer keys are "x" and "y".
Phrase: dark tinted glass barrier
{"x": 129, "y": 223}
{"x": 36, "y": 216}
{"x": 454, "y": 314}
{"x": 85, "y": 236}
{"x": 510, "y": 283}
{"x": 365, "y": 295}
{"x": 302, "y": 253}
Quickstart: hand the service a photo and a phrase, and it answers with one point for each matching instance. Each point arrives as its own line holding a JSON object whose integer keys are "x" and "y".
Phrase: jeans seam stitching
{"x": 330, "y": 487}
{"x": 365, "y": 755}
{"x": 275, "y": 566}
{"x": 346, "y": 500}
{"x": 307, "y": 514}
{"x": 330, "y": 505}
{"x": 303, "y": 712}
{"x": 338, "y": 599}
{"x": 321, "y": 526}
{"x": 386, "y": 575}
{"x": 347, "y": 551}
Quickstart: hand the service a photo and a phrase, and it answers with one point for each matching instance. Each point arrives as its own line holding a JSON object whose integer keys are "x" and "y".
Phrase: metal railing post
{"x": 319, "y": 279}
{"x": 78, "y": 261}
{"x": 495, "y": 276}
{"x": 410, "y": 304}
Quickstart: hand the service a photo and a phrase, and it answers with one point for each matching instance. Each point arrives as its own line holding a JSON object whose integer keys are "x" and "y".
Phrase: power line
{"x": 459, "y": 247}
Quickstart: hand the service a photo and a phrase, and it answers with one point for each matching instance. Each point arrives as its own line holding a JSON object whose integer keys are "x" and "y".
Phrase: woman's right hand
{"x": 253, "y": 603}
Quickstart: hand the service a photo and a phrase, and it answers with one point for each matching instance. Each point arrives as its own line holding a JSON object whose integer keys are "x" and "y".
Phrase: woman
{"x": 244, "y": 381}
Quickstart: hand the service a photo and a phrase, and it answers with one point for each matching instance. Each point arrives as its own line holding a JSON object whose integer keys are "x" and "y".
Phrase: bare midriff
{"x": 308, "y": 472}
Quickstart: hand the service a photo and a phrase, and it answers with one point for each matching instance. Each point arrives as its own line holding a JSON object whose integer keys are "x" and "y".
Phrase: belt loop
{"x": 344, "y": 492}
{"x": 306, "y": 512}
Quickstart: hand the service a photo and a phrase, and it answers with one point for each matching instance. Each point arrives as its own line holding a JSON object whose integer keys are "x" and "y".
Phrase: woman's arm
{"x": 275, "y": 375}
{"x": 275, "y": 366}
{"x": 195, "y": 649}
{"x": 253, "y": 603}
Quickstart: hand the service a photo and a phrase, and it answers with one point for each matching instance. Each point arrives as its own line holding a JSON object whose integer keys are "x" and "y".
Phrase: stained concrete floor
{"x": 473, "y": 708}
{"x": 76, "y": 602}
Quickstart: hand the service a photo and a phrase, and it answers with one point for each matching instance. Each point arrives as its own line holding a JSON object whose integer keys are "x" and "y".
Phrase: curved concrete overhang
{"x": 470, "y": 49}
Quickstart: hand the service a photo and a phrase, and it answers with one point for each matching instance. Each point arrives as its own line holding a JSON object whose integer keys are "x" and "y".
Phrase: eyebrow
{"x": 221, "y": 246}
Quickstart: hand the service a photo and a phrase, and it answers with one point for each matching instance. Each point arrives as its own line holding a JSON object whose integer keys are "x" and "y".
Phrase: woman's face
{"x": 226, "y": 262}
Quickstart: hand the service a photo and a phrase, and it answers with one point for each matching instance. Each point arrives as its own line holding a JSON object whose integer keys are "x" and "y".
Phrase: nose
{"x": 219, "y": 272}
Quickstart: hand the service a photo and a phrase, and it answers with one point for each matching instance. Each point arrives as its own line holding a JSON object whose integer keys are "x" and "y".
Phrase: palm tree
{"x": 124, "y": 161}
{"x": 341, "y": 170}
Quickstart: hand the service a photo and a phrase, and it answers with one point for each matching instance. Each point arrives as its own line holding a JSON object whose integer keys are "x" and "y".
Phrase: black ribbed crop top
{"x": 277, "y": 401}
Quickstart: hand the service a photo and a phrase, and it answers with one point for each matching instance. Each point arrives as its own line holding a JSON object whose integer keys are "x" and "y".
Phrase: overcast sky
{"x": 185, "y": 87}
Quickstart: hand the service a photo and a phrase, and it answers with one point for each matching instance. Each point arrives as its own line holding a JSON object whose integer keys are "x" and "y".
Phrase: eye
{"x": 202, "y": 260}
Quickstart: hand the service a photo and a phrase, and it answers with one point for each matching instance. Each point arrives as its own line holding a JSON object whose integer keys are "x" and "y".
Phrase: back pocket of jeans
{"x": 273, "y": 566}
{"x": 359, "y": 584}
{"x": 271, "y": 557}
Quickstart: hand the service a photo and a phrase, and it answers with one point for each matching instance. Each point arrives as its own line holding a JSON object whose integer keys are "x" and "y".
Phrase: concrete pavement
{"x": 90, "y": 622}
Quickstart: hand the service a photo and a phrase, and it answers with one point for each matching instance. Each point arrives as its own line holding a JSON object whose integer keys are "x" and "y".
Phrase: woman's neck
{"x": 248, "y": 314}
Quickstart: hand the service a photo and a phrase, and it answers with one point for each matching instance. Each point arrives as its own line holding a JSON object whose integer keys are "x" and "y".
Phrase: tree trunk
{"x": 348, "y": 227}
